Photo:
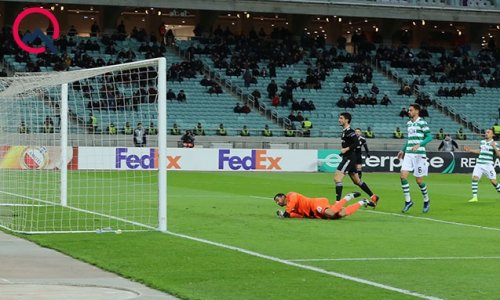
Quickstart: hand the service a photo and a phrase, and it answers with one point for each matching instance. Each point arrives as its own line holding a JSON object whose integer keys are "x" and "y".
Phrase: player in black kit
{"x": 359, "y": 159}
{"x": 350, "y": 142}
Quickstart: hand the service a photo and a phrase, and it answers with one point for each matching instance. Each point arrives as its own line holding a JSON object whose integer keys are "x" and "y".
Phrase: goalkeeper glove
{"x": 280, "y": 214}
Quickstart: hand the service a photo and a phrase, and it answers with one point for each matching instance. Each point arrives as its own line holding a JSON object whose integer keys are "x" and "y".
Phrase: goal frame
{"x": 63, "y": 81}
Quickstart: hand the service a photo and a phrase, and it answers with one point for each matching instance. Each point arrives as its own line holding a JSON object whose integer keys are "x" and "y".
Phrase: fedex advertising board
{"x": 131, "y": 158}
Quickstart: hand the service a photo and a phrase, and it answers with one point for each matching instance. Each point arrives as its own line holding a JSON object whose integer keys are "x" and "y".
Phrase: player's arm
{"x": 495, "y": 148}
{"x": 292, "y": 199}
{"x": 401, "y": 153}
{"x": 454, "y": 144}
{"x": 365, "y": 145}
{"x": 426, "y": 140}
{"x": 469, "y": 149}
{"x": 441, "y": 145}
{"x": 353, "y": 143}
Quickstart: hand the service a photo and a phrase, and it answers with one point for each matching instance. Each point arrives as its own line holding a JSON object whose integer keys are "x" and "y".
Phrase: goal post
{"x": 84, "y": 150}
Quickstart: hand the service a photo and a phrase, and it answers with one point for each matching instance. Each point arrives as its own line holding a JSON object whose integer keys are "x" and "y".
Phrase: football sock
{"x": 498, "y": 187}
{"x": 338, "y": 205}
{"x": 353, "y": 208}
{"x": 365, "y": 187}
{"x": 423, "y": 189}
{"x": 338, "y": 190}
{"x": 406, "y": 189}
{"x": 474, "y": 188}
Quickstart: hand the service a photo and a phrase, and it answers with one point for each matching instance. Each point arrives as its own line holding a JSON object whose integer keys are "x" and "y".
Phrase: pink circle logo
{"x": 37, "y": 33}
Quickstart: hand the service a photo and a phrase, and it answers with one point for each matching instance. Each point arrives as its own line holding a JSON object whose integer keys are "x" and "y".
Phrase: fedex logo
{"x": 148, "y": 161}
{"x": 258, "y": 160}
{"x": 133, "y": 161}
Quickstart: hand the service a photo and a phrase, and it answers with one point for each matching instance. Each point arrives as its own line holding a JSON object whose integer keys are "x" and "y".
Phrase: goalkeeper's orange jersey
{"x": 300, "y": 206}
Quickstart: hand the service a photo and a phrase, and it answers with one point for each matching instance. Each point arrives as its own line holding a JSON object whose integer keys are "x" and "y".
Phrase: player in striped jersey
{"x": 414, "y": 157}
{"x": 484, "y": 163}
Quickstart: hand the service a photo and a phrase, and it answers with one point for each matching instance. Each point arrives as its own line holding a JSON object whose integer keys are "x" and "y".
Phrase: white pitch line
{"x": 431, "y": 219}
{"x": 396, "y": 258}
{"x": 306, "y": 267}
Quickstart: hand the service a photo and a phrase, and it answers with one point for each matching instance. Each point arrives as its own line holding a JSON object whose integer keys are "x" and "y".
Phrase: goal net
{"x": 84, "y": 150}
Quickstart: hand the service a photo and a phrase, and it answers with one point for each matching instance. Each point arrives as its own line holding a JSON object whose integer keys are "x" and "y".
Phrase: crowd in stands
{"x": 455, "y": 91}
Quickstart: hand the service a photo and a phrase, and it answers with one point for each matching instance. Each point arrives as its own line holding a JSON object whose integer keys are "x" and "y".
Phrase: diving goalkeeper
{"x": 300, "y": 206}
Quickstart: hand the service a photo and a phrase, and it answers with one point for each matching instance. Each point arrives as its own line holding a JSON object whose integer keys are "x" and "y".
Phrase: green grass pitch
{"x": 453, "y": 252}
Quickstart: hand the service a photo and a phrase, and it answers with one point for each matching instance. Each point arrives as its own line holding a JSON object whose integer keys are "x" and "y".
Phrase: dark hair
{"x": 358, "y": 129}
{"x": 278, "y": 195}
{"x": 415, "y": 106}
{"x": 347, "y": 116}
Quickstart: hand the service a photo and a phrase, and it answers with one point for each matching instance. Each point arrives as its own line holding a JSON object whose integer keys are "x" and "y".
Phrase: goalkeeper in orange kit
{"x": 300, "y": 206}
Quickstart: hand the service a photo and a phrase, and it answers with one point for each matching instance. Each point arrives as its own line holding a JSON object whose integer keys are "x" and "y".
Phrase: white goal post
{"x": 84, "y": 150}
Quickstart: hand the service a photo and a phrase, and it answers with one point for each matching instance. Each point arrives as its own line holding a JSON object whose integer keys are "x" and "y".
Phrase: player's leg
{"x": 420, "y": 170}
{"x": 492, "y": 176}
{"x": 476, "y": 176}
{"x": 345, "y": 166}
{"x": 339, "y": 176}
{"x": 403, "y": 175}
{"x": 349, "y": 210}
{"x": 359, "y": 170}
{"x": 356, "y": 180}
{"x": 423, "y": 190}
{"x": 332, "y": 211}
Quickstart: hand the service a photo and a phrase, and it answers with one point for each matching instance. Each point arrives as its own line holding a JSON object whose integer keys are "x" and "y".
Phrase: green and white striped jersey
{"x": 416, "y": 135}
{"x": 487, "y": 153}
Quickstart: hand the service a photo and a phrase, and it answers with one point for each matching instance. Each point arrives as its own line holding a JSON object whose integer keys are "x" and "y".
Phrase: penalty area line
{"x": 431, "y": 219}
{"x": 306, "y": 267}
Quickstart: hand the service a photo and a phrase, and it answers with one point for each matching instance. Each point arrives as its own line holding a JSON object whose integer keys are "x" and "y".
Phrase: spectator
{"x": 206, "y": 82}
{"x": 292, "y": 117}
{"x": 448, "y": 144}
{"x": 215, "y": 89}
{"x": 188, "y": 139}
{"x": 152, "y": 130}
{"x": 92, "y": 123}
{"x": 275, "y": 101}
{"x": 385, "y": 101}
{"x": 175, "y": 130}
{"x": 369, "y": 133}
{"x": 461, "y": 135}
{"x": 139, "y": 135}
{"x": 48, "y": 125}
{"x": 374, "y": 90}
{"x": 289, "y": 132}
{"x": 398, "y": 134}
{"x": 198, "y": 130}
{"x": 306, "y": 127}
{"x": 221, "y": 130}
{"x": 111, "y": 129}
{"x": 299, "y": 117}
{"x": 245, "y": 109}
{"x": 23, "y": 128}
{"x": 72, "y": 31}
{"x": 237, "y": 108}
{"x": 267, "y": 132}
{"x": 181, "y": 97}
{"x": 94, "y": 29}
{"x": 272, "y": 89}
{"x": 440, "y": 135}
{"x": 403, "y": 113}
{"x": 171, "y": 95}
{"x": 245, "y": 131}
{"x": 127, "y": 129}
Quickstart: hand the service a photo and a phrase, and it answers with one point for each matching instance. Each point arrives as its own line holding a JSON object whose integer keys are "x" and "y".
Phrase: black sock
{"x": 365, "y": 188}
{"x": 338, "y": 190}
